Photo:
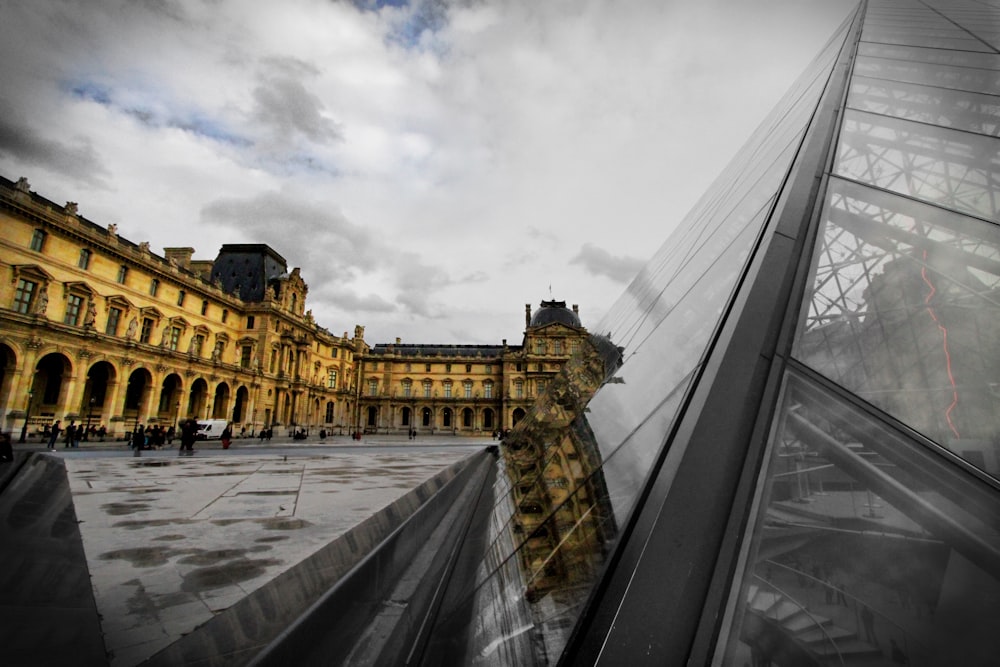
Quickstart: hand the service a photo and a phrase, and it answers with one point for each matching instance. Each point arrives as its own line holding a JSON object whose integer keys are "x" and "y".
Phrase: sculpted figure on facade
{"x": 91, "y": 317}
{"x": 133, "y": 325}
{"x": 22, "y": 185}
{"x": 42, "y": 302}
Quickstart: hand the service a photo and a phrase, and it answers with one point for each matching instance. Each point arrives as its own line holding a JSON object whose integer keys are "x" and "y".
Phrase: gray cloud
{"x": 598, "y": 261}
{"x": 334, "y": 251}
{"x": 352, "y": 302}
{"x": 290, "y": 111}
{"x": 320, "y": 239}
{"x": 22, "y": 142}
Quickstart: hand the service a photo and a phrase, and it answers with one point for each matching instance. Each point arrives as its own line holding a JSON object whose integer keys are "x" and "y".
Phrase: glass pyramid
{"x": 783, "y": 445}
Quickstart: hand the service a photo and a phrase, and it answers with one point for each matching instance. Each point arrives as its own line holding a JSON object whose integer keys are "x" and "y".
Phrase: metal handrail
{"x": 804, "y": 611}
{"x": 909, "y": 636}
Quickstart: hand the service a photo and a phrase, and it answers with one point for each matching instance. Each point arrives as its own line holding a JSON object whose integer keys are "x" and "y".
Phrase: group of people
{"x": 73, "y": 434}
{"x": 151, "y": 437}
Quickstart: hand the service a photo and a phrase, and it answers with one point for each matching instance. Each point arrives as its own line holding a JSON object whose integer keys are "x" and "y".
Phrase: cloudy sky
{"x": 431, "y": 165}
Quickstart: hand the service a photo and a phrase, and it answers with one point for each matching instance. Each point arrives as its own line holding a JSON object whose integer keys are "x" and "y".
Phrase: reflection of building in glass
{"x": 798, "y": 452}
{"x": 562, "y": 515}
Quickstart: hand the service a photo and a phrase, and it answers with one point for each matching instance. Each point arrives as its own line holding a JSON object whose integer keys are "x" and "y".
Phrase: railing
{"x": 910, "y": 645}
{"x": 787, "y": 596}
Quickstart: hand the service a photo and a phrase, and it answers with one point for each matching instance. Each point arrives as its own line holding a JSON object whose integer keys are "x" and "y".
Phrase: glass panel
{"x": 667, "y": 316}
{"x": 904, "y": 311}
{"x": 953, "y": 77}
{"x": 958, "y": 170}
{"x": 938, "y": 39}
{"x": 917, "y": 55}
{"x": 938, "y": 106}
{"x": 867, "y": 549}
{"x": 571, "y": 470}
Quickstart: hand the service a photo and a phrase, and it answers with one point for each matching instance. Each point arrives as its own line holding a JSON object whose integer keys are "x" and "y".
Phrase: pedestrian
{"x": 6, "y": 448}
{"x": 102, "y": 432}
{"x": 868, "y": 621}
{"x": 138, "y": 437}
{"x": 188, "y": 430}
{"x": 227, "y": 436}
{"x": 243, "y": 432}
{"x": 54, "y": 435}
{"x": 171, "y": 434}
{"x": 70, "y": 434}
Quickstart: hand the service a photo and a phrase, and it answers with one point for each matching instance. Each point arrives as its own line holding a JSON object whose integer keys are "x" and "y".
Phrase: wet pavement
{"x": 171, "y": 541}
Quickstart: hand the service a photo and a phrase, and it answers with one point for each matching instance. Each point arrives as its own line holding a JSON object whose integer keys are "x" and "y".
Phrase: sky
{"x": 431, "y": 165}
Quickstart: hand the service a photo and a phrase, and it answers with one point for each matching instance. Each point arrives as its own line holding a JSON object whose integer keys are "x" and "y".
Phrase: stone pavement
{"x": 170, "y": 541}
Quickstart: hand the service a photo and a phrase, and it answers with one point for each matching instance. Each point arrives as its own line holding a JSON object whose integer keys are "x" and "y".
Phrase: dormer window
{"x": 38, "y": 240}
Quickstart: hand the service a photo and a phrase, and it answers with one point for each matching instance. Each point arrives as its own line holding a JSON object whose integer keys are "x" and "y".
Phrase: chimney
{"x": 398, "y": 340}
{"x": 527, "y": 315}
{"x": 180, "y": 255}
{"x": 576, "y": 309}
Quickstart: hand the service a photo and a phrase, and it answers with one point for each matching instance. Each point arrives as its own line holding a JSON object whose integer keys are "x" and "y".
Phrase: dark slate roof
{"x": 422, "y": 350}
{"x": 555, "y": 311}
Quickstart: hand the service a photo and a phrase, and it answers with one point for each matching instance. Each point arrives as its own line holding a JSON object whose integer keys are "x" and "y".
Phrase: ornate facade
{"x": 100, "y": 330}
{"x": 468, "y": 389}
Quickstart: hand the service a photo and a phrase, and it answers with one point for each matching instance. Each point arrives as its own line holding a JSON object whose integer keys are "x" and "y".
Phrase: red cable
{"x": 944, "y": 343}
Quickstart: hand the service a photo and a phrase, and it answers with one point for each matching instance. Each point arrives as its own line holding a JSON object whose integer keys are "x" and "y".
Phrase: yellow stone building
{"x": 466, "y": 389}
{"x": 97, "y": 329}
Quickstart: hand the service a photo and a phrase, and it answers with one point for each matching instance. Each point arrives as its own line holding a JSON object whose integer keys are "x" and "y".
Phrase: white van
{"x": 210, "y": 429}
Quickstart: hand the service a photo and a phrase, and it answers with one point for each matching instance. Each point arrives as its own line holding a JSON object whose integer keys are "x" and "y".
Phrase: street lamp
{"x": 27, "y": 416}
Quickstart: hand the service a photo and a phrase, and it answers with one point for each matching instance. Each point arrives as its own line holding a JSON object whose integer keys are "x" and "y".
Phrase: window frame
{"x": 24, "y": 306}
{"x": 38, "y": 238}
